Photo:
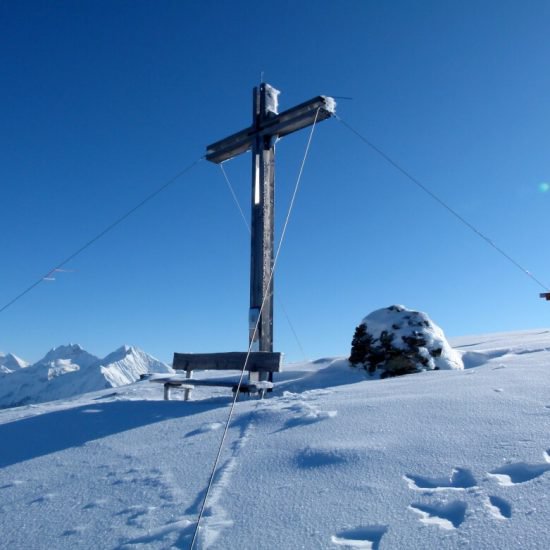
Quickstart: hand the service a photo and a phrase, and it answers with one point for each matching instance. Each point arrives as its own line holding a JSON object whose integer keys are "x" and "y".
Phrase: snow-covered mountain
{"x": 67, "y": 371}
{"x": 62, "y": 356}
{"x": 333, "y": 458}
{"x": 10, "y": 362}
{"x": 127, "y": 364}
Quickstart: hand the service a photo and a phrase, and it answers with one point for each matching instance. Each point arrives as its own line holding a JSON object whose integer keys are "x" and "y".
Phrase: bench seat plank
{"x": 182, "y": 381}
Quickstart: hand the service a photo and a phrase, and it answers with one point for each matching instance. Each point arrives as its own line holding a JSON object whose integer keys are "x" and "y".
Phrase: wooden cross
{"x": 267, "y": 126}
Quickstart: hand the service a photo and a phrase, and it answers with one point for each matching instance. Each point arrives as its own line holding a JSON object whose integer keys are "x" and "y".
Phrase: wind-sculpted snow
{"x": 329, "y": 460}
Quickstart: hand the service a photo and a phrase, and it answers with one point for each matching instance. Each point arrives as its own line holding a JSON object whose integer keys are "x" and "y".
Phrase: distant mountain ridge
{"x": 10, "y": 362}
{"x": 68, "y": 371}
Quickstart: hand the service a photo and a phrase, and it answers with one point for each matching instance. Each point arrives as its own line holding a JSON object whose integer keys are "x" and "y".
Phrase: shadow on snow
{"x": 51, "y": 432}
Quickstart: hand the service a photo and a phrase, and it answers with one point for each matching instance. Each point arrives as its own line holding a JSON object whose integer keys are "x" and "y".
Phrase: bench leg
{"x": 166, "y": 392}
{"x": 187, "y": 393}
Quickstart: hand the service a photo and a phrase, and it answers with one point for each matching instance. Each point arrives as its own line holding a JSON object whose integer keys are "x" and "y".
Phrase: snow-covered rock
{"x": 396, "y": 340}
{"x": 68, "y": 371}
{"x": 10, "y": 362}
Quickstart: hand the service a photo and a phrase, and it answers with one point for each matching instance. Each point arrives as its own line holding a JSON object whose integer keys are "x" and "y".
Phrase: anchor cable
{"x": 426, "y": 190}
{"x": 102, "y": 233}
{"x": 293, "y": 330}
{"x": 235, "y": 197}
{"x": 234, "y": 401}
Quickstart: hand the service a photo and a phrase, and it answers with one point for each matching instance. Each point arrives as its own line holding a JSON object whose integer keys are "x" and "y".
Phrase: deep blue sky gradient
{"x": 101, "y": 102}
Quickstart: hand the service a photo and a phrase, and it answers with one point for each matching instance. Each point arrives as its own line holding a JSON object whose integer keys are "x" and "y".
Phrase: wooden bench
{"x": 264, "y": 362}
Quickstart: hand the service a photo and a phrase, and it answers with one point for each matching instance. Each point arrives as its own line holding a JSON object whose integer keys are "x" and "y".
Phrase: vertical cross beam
{"x": 267, "y": 126}
{"x": 262, "y": 228}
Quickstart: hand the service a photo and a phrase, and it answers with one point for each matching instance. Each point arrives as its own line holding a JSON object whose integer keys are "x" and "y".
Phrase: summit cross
{"x": 267, "y": 126}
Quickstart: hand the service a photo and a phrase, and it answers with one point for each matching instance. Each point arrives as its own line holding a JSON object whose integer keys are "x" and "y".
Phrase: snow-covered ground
{"x": 437, "y": 460}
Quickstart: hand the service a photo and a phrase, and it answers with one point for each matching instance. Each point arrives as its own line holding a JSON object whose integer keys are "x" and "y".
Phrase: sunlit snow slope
{"x": 442, "y": 460}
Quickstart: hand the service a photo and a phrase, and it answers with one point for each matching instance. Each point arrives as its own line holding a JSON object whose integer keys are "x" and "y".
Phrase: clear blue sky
{"x": 101, "y": 102}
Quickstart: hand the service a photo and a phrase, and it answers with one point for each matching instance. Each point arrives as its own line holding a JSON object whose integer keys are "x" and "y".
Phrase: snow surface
{"x": 332, "y": 459}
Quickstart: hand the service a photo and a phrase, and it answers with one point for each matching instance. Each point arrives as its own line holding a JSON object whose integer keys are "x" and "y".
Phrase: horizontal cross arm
{"x": 301, "y": 116}
{"x": 231, "y": 146}
{"x": 289, "y": 121}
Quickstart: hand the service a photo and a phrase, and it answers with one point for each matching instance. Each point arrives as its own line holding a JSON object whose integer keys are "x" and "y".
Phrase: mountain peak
{"x": 71, "y": 352}
{"x": 127, "y": 363}
{"x": 10, "y": 362}
{"x": 120, "y": 353}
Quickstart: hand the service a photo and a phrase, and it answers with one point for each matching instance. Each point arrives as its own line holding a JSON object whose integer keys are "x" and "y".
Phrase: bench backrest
{"x": 258, "y": 361}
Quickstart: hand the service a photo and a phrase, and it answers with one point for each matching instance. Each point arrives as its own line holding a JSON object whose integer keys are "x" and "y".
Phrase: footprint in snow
{"x": 460, "y": 479}
{"x": 182, "y": 530}
{"x": 498, "y": 507}
{"x": 308, "y": 417}
{"x": 43, "y": 499}
{"x": 319, "y": 457}
{"x": 14, "y": 483}
{"x": 209, "y": 427}
{"x": 77, "y": 530}
{"x": 367, "y": 538}
{"x": 136, "y": 514}
{"x": 99, "y": 503}
{"x": 519, "y": 472}
{"x": 447, "y": 516}
{"x": 306, "y": 413}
